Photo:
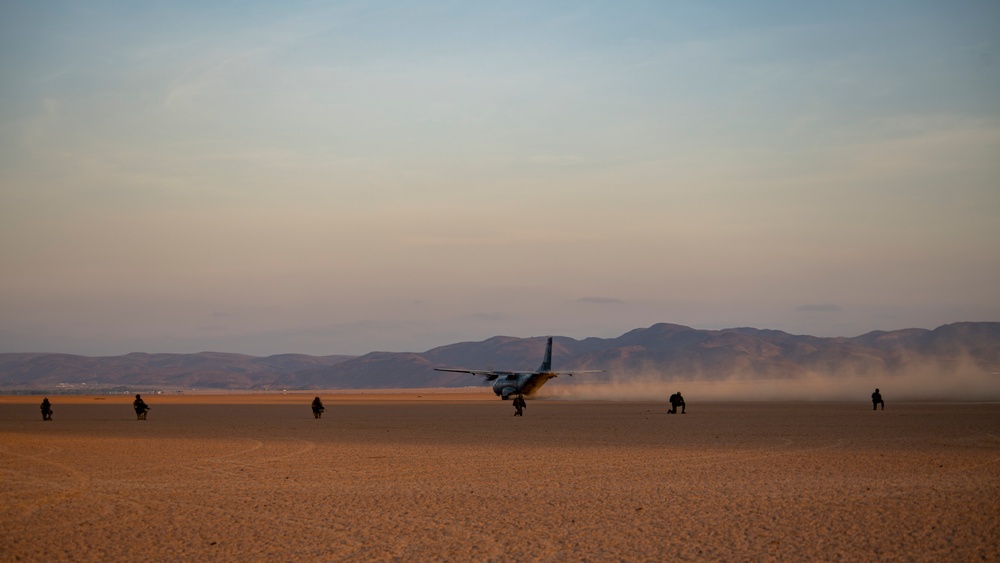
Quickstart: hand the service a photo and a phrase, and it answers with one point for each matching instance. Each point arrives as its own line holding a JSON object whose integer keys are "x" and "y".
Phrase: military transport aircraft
{"x": 509, "y": 383}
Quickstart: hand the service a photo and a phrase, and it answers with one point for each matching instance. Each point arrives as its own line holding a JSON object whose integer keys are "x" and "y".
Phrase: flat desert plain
{"x": 417, "y": 476}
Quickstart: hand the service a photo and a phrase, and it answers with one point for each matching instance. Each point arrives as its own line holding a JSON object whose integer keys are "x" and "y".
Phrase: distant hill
{"x": 666, "y": 352}
{"x": 205, "y": 370}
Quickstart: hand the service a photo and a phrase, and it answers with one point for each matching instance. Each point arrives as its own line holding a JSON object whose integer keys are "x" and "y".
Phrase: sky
{"x": 346, "y": 177}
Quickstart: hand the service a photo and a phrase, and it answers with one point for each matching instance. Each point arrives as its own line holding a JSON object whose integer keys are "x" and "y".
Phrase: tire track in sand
{"x": 77, "y": 483}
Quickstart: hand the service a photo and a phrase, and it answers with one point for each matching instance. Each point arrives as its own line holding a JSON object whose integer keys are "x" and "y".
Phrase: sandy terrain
{"x": 417, "y": 476}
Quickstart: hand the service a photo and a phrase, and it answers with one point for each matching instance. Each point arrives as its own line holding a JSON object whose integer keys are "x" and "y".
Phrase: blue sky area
{"x": 343, "y": 177}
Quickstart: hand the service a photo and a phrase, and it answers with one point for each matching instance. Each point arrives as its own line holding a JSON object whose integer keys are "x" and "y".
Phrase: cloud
{"x": 597, "y": 299}
{"x": 822, "y": 307}
{"x": 488, "y": 316}
{"x": 557, "y": 159}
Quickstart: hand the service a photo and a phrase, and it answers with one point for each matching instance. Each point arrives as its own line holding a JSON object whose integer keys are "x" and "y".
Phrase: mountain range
{"x": 665, "y": 352}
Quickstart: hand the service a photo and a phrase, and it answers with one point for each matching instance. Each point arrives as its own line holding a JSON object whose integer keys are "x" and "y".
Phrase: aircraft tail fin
{"x": 547, "y": 361}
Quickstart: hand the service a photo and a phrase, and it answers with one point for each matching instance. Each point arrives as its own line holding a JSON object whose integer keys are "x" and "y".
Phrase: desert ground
{"x": 423, "y": 476}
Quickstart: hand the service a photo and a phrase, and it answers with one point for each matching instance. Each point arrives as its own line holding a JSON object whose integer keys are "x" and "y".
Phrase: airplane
{"x": 509, "y": 383}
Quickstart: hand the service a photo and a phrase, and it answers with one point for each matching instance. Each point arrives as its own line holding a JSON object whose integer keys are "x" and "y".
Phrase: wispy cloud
{"x": 602, "y": 300}
{"x": 488, "y": 316}
{"x": 818, "y": 307}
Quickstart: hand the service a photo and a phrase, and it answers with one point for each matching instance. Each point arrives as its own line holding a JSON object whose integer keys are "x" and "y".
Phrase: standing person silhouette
{"x": 46, "y": 407}
{"x": 519, "y": 405}
{"x": 318, "y": 408}
{"x": 141, "y": 408}
{"x": 877, "y": 400}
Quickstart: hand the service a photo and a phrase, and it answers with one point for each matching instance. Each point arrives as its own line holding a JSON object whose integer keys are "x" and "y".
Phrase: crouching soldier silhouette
{"x": 46, "y": 409}
{"x": 519, "y": 405}
{"x": 676, "y": 400}
{"x": 877, "y": 400}
{"x": 318, "y": 408}
{"x": 141, "y": 408}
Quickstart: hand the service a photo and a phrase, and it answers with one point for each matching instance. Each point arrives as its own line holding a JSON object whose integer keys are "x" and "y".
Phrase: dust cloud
{"x": 961, "y": 381}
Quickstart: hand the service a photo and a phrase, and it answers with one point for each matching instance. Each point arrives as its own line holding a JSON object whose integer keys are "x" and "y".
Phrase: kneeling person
{"x": 676, "y": 400}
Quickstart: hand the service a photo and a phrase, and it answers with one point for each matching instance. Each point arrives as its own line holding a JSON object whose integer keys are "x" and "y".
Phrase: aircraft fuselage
{"x": 523, "y": 383}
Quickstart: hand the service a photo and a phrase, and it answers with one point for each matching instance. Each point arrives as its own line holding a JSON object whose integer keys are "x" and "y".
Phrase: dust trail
{"x": 954, "y": 382}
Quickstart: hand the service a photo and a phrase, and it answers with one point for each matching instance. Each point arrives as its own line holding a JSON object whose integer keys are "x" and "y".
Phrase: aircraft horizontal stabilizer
{"x": 571, "y": 373}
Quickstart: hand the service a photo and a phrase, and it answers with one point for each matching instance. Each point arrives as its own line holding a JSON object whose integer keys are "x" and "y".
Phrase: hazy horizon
{"x": 378, "y": 350}
{"x": 344, "y": 178}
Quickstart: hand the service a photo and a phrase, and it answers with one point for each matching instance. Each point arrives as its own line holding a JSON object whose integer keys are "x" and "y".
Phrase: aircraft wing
{"x": 490, "y": 375}
{"x": 493, "y": 374}
{"x": 472, "y": 371}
